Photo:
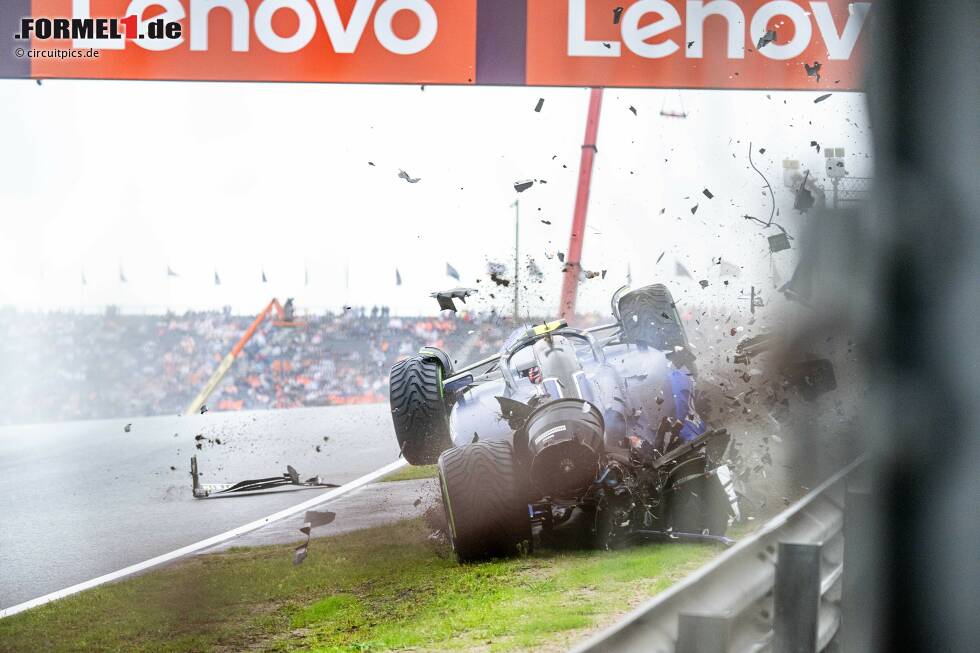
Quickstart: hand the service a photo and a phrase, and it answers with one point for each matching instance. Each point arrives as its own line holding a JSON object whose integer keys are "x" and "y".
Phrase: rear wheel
{"x": 418, "y": 410}
{"x": 485, "y": 501}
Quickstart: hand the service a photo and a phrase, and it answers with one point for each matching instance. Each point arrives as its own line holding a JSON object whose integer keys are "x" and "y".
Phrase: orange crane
{"x": 573, "y": 261}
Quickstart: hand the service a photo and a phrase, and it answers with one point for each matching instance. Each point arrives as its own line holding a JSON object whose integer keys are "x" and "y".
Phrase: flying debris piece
{"x": 778, "y": 243}
{"x": 767, "y": 38}
{"x": 661, "y": 256}
{"x": 707, "y": 193}
{"x": 407, "y": 177}
{"x": 521, "y": 186}
{"x": 617, "y": 14}
{"x": 539, "y": 105}
{"x": 546, "y": 222}
{"x": 704, "y": 283}
{"x": 417, "y": 503}
{"x": 217, "y": 279}
{"x": 728, "y": 269}
{"x": 496, "y": 268}
{"x": 398, "y": 277}
{"x": 286, "y": 482}
{"x": 299, "y": 553}
{"x": 814, "y": 70}
{"x": 681, "y": 271}
{"x": 762, "y": 150}
{"x": 816, "y": 145}
{"x": 499, "y": 280}
{"x": 371, "y": 163}
{"x": 589, "y": 274}
{"x": 561, "y": 257}
{"x": 170, "y": 272}
{"x": 264, "y": 279}
{"x": 694, "y": 209}
{"x": 127, "y": 428}
{"x": 689, "y": 44}
{"x": 451, "y": 271}
{"x": 533, "y": 271}
{"x": 633, "y": 109}
{"x": 316, "y": 518}
{"x": 822, "y": 98}
{"x": 804, "y": 198}
{"x": 446, "y": 297}
{"x": 204, "y": 408}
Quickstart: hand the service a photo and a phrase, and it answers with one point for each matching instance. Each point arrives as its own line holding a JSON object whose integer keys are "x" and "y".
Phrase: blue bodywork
{"x": 634, "y": 388}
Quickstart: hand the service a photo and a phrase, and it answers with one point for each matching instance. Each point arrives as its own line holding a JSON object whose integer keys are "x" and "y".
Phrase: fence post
{"x": 796, "y": 598}
{"x": 856, "y": 589}
{"x": 702, "y": 633}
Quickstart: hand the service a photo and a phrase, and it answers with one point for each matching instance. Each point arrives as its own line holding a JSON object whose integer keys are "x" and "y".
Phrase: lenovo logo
{"x": 282, "y": 26}
{"x": 654, "y": 29}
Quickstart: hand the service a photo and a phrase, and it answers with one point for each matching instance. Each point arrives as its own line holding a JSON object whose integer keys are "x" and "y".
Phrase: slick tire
{"x": 485, "y": 501}
{"x": 418, "y": 409}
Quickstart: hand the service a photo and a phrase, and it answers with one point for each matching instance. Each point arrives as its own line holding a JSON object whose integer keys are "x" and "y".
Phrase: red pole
{"x": 573, "y": 261}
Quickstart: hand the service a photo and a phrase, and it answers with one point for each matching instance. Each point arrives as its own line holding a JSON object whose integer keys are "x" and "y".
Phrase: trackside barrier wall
{"x": 778, "y": 590}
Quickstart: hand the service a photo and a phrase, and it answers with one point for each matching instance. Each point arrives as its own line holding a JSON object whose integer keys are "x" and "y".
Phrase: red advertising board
{"x": 766, "y": 44}
{"x": 682, "y": 44}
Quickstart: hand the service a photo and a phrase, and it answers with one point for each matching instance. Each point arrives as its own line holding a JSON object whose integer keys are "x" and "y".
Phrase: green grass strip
{"x": 382, "y": 589}
{"x": 412, "y": 472}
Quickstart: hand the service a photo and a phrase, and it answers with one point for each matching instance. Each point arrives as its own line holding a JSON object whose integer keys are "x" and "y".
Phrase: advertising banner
{"x": 722, "y": 44}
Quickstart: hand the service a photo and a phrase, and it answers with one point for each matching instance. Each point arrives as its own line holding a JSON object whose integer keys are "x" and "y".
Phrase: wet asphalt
{"x": 82, "y": 499}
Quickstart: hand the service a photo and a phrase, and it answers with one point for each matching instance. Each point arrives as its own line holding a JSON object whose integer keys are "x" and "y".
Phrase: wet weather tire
{"x": 484, "y": 499}
{"x": 418, "y": 410}
{"x": 648, "y": 317}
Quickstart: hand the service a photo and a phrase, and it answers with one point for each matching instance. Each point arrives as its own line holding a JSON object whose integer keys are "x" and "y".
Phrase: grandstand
{"x": 70, "y": 366}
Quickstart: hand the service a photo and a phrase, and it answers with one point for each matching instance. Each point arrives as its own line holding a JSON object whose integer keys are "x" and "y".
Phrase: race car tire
{"x": 649, "y": 317}
{"x": 485, "y": 501}
{"x": 699, "y": 506}
{"x": 418, "y": 409}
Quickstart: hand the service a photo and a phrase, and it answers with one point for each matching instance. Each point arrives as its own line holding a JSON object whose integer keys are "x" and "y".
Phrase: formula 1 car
{"x": 595, "y": 427}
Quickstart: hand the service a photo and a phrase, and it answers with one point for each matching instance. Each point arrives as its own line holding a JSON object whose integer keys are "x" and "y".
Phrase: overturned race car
{"x": 567, "y": 431}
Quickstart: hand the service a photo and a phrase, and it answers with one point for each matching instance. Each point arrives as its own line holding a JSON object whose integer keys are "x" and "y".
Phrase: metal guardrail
{"x": 778, "y": 590}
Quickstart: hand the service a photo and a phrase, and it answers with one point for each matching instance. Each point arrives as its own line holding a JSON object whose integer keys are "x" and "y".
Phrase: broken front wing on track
{"x": 288, "y": 482}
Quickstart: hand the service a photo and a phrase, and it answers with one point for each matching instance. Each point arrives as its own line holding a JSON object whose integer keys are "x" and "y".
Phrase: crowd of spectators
{"x": 68, "y": 366}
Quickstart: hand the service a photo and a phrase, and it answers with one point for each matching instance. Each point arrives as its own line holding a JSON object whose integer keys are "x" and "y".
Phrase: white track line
{"x": 204, "y": 544}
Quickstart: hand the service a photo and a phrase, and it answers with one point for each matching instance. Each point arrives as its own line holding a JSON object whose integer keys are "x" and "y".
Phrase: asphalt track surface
{"x": 82, "y": 499}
